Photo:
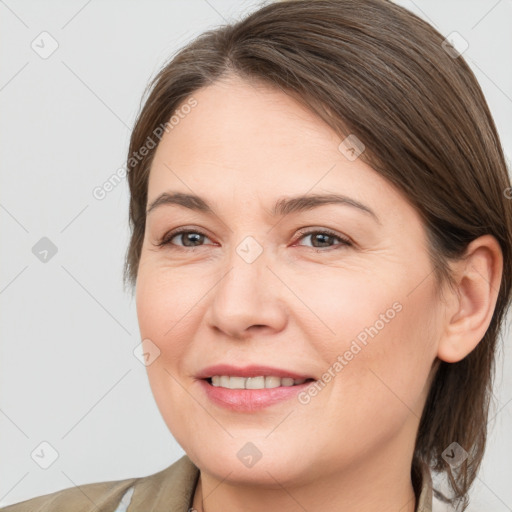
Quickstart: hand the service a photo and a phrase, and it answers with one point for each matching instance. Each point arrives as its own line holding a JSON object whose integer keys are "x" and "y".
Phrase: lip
{"x": 249, "y": 371}
{"x": 250, "y": 400}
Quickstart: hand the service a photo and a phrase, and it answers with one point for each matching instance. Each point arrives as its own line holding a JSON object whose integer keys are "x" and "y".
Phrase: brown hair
{"x": 373, "y": 69}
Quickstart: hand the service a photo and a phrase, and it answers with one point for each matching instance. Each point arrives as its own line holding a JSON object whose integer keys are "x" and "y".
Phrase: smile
{"x": 259, "y": 382}
{"x": 246, "y": 399}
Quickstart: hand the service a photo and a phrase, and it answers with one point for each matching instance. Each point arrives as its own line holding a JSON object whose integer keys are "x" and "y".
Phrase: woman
{"x": 321, "y": 259}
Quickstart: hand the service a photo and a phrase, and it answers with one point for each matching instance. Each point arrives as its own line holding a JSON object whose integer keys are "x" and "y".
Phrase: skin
{"x": 298, "y": 306}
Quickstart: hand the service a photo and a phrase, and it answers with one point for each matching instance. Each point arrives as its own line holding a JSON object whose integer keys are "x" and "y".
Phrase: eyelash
{"x": 166, "y": 240}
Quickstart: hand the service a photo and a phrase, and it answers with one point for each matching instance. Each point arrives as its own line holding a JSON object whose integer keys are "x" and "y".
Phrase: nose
{"x": 247, "y": 299}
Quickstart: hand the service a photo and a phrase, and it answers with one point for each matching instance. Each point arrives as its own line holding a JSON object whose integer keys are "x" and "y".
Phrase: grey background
{"x": 68, "y": 375}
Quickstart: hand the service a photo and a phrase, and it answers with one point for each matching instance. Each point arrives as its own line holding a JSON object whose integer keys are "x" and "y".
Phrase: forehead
{"x": 236, "y": 120}
{"x": 250, "y": 140}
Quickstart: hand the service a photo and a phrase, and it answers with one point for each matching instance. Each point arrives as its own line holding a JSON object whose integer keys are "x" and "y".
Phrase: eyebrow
{"x": 282, "y": 207}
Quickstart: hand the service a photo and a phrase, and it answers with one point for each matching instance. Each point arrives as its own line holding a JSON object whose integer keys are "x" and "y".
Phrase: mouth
{"x": 257, "y": 382}
{"x": 247, "y": 399}
{"x": 251, "y": 388}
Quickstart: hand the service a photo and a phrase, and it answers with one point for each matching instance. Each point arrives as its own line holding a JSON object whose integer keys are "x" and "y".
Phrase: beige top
{"x": 169, "y": 490}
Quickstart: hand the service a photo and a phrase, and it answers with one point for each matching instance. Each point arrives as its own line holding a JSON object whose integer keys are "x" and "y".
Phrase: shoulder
{"x": 103, "y": 495}
{"x": 174, "y": 484}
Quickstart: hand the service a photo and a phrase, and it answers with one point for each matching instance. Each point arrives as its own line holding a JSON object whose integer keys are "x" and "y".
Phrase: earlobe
{"x": 478, "y": 277}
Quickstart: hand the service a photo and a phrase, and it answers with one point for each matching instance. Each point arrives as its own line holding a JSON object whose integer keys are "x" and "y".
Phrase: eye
{"x": 322, "y": 237}
{"x": 189, "y": 238}
{"x": 193, "y": 238}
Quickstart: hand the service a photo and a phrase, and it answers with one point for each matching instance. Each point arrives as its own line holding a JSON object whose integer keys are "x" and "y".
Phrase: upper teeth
{"x": 226, "y": 381}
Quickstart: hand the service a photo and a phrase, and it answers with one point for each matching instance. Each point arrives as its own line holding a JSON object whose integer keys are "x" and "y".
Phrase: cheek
{"x": 168, "y": 303}
{"x": 379, "y": 346}
{"x": 345, "y": 305}
{"x": 388, "y": 376}
{"x": 165, "y": 303}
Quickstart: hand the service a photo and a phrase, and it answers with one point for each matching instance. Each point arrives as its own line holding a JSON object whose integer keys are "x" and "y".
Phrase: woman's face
{"x": 350, "y": 303}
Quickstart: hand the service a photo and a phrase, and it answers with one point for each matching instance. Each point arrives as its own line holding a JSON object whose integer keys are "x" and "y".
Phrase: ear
{"x": 470, "y": 310}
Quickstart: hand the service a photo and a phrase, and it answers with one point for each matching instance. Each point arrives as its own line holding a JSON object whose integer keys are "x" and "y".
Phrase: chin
{"x": 259, "y": 461}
